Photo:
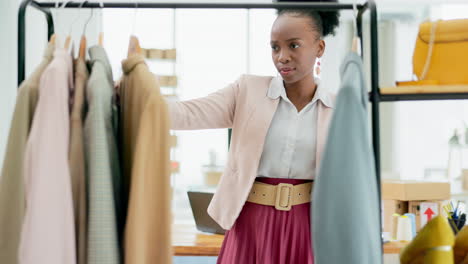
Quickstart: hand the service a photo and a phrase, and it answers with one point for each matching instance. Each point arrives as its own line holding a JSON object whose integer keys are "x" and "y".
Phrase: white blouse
{"x": 290, "y": 144}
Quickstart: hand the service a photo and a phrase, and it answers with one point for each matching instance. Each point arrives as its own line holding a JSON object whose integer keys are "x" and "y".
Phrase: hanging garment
{"x": 262, "y": 234}
{"x": 433, "y": 244}
{"x": 77, "y": 160}
{"x": 145, "y": 132}
{"x": 12, "y": 180}
{"x": 248, "y": 106}
{"x": 102, "y": 162}
{"x": 345, "y": 204}
{"x": 48, "y": 233}
{"x": 460, "y": 250}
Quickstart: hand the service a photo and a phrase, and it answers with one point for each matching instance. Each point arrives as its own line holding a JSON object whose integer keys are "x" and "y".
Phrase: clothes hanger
{"x": 356, "y": 40}
{"x": 101, "y": 33}
{"x": 82, "y": 51}
{"x": 134, "y": 44}
{"x": 53, "y": 38}
{"x": 68, "y": 38}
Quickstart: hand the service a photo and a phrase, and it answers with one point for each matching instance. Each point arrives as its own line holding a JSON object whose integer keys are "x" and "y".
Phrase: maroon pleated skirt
{"x": 264, "y": 235}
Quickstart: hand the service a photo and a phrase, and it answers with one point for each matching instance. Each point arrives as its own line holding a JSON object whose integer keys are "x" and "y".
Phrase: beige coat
{"x": 145, "y": 156}
{"x": 77, "y": 160}
{"x": 12, "y": 203}
{"x": 247, "y": 106}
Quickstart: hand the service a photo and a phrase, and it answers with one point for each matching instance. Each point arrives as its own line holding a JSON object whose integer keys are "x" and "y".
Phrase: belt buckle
{"x": 279, "y": 188}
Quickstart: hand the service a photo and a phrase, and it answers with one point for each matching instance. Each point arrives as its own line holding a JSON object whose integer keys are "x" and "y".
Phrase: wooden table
{"x": 394, "y": 247}
{"x": 188, "y": 241}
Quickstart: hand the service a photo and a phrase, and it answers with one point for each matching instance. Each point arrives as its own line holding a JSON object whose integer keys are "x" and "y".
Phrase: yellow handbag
{"x": 441, "y": 52}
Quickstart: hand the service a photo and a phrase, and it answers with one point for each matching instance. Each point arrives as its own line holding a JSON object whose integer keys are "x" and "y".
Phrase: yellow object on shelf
{"x": 424, "y": 89}
{"x": 441, "y": 51}
{"x": 433, "y": 245}
{"x": 461, "y": 247}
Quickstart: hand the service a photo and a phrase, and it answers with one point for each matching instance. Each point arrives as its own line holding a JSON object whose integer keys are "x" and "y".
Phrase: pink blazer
{"x": 247, "y": 106}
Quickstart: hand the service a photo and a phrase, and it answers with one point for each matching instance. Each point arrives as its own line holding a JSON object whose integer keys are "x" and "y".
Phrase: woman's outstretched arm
{"x": 213, "y": 111}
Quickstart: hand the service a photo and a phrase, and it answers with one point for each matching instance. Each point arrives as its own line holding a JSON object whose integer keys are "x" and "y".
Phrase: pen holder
{"x": 456, "y": 224}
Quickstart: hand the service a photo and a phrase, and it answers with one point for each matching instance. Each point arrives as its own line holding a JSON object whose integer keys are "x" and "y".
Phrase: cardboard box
{"x": 415, "y": 190}
{"x": 424, "y": 211}
{"x": 391, "y": 207}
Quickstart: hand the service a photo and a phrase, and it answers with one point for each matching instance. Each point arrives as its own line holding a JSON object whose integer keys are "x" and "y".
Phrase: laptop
{"x": 199, "y": 202}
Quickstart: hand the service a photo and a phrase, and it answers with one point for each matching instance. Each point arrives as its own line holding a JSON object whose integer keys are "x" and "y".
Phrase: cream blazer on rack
{"x": 247, "y": 106}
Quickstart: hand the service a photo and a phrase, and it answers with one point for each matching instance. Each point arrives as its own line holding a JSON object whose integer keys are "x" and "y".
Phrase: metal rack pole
{"x": 375, "y": 99}
{"x": 375, "y": 88}
{"x": 313, "y": 5}
{"x": 22, "y": 33}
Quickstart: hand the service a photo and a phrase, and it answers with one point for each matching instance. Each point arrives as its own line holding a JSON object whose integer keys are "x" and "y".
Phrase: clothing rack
{"x": 374, "y": 96}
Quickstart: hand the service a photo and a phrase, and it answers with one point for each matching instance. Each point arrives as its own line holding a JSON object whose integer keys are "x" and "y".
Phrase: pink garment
{"x": 48, "y": 228}
{"x": 262, "y": 234}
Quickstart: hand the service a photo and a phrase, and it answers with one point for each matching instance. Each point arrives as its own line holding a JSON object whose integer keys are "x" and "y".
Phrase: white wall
{"x": 7, "y": 68}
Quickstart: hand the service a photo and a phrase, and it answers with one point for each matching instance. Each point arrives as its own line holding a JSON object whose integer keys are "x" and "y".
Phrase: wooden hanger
{"x": 83, "y": 46}
{"x": 355, "y": 46}
{"x": 133, "y": 46}
{"x": 52, "y": 39}
{"x": 101, "y": 33}
{"x": 82, "y": 51}
{"x": 101, "y": 39}
{"x": 67, "y": 42}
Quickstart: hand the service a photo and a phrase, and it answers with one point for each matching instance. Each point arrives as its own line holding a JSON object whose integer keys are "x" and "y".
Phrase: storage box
{"x": 425, "y": 211}
{"x": 391, "y": 207}
{"x": 415, "y": 190}
{"x": 401, "y": 197}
